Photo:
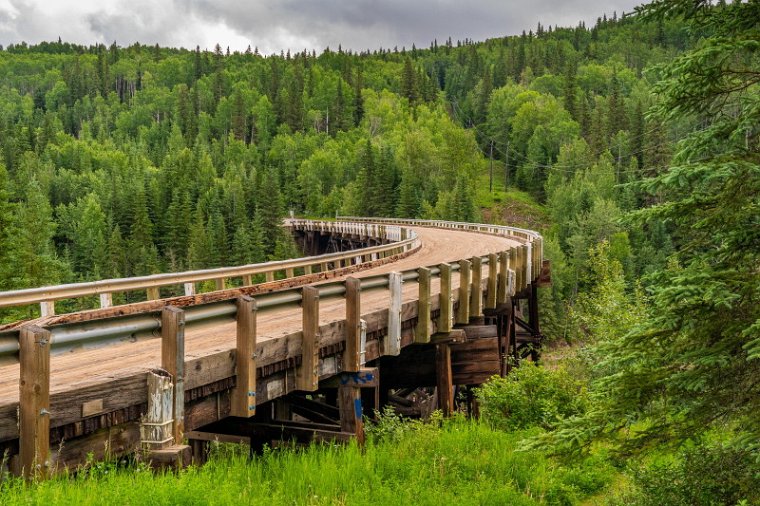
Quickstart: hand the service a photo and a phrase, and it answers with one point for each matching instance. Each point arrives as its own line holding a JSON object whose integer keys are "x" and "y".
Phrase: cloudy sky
{"x": 273, "y": 25}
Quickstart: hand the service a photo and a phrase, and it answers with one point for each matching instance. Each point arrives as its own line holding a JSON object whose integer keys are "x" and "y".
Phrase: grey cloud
{"x": 294, "y": 24}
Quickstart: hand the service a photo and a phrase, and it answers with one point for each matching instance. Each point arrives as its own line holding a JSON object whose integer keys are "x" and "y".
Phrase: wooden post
{"x": 47, "y": 308}
{"x": 445, "y": 316}
{"x": 307, "y": 270}
{"x": 422, "y": 332}
{"x": 189, "y": 289}
{"x": 476, "y": 298}
{"x": 269, "y": 276}
{"x": 350, "y": 405}
{"x": 173, "y": 362}
{"x": 351, "y": 355}
{"x": 290, "y": 273}
{"x": 465, "y": 280}
{"x": 157, "y": 424}
{"x": 34, "y": 405}
{"x": 247, "y": 279}
{"x": 153, "y": 293}
{"x": 243, "y": 400}
{"x": 493, "y": 271}
{"x": 307, "y": 376}
{"x": 393, "y": 339}
{"x": 444, "y": 378}
{"x": 501, "y": 292}
{"x": 106, "y": 300}
{"x": 219, "y": 284}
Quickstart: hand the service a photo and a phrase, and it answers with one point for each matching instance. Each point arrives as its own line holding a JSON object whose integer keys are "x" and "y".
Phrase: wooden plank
{"x": 465, "y": 280}
{"x": 34, "y": 411}
{"x": 352, "y": 352}
{"x": 493, "y": 271}
{"x": 244, "y": 394}
{"x": 480, "y": 331}
{"x": 173, "y": 362}
{"x": 503, "y": 282}
{"x": 476, "y": 298}
{"x": 307, "y": 376}
{"x": 367, "y": 377}
{"x": 350, "y": 405}
{"x": 446, "y": 301}
{"x": 393, "y": 337}
{"x": 443, "y": 377}
{"x": 423, "y": 330}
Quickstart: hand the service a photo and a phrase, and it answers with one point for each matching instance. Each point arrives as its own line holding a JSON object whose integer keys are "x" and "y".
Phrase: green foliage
{"x": 531, "y": 396}
{"x": 455, "y": 461}
{"x": 703, "y": 475}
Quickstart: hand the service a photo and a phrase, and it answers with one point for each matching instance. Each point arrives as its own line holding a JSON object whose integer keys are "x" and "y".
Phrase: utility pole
{"x": 490, "y": 181}
{"x": 506, "y": 168}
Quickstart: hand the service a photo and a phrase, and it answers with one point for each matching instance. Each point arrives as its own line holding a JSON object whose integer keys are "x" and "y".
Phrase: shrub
{"x": 531, "y": 396}
{"x": 699, "y": 476}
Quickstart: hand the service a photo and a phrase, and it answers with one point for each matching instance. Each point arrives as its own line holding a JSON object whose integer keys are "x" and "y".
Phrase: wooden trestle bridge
{"x": 296, "y": 349}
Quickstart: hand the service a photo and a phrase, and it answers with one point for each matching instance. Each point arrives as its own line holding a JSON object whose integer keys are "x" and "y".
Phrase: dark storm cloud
{"x": 278, "y": 24}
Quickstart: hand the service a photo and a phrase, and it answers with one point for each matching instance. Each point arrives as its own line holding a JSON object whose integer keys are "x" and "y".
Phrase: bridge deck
{"x": 87, "y": 367}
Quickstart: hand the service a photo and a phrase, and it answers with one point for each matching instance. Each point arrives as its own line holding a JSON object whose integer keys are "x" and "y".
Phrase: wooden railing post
{"x": 501, "y": 293}
{"x": 393, "y": 340}
{"x": 465, "y": 280}
{"x": 34, "y": 404}
{"x": 173, "y": 362}
{"x": 493, "y": 271}
{"x": 307, "y": 377}
{"x": 476, "y": 298}
{"x": 422, "y": 332}
{"x": 445, "y": 315}
{"x": 351, "y": 355}
{"x": 243, "y": 401}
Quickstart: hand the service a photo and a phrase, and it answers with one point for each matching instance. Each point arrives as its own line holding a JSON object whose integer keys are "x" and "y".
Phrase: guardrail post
{"x": 34, "y": 404}
{"x": 189, "y": 289}
{"x": 445, "y": 315}
{"x": 290, "y": 273}
{"x": 106, "y": 300}
{"x": 393, "y": 339}
{"x": 493, "y": 271}
{"x": 173, "y": 362}
{"x": 47, "y": 308}
{"x": 307, "y": 377}
{"x": 351, "y": 355}
{"x": 269, "y": 276}
{"x": 476, "y": 298}
{"x": 243, "y": 401}
{"x": 153, "y": 293}
{"x": 422, "y": 332}
{"x": 501, "y": 294}
{"x": 465, "y": 280}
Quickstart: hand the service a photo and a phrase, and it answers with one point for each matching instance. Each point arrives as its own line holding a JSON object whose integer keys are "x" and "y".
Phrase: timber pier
{"x": 297, "y": 350}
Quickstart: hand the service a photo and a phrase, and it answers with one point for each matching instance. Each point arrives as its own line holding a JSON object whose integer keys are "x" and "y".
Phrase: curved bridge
{"x": 422, "y": 304}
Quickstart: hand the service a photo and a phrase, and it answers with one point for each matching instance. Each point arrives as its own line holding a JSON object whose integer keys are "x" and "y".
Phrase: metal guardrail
{"x": 525, "y": 261}
{"x": 400, "y": 240}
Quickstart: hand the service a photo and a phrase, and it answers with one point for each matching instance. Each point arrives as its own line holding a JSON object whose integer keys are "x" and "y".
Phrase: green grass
{"x": 461, "y": 462}
{"x": 508, "y": 206}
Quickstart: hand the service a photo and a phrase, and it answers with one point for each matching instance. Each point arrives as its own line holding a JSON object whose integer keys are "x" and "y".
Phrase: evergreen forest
{"x": 632, "y": 144}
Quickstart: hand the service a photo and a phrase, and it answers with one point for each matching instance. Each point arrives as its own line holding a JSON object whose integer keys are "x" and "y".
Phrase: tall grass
{"x": 456, "y": 462}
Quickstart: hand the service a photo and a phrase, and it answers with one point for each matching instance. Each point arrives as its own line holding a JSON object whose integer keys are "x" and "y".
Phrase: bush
{"x": 700, "y": 476}
{"x": 531, "y": 396}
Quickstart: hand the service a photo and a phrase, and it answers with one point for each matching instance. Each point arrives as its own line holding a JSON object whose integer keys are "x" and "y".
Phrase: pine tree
{"x": 409, "y": 88}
